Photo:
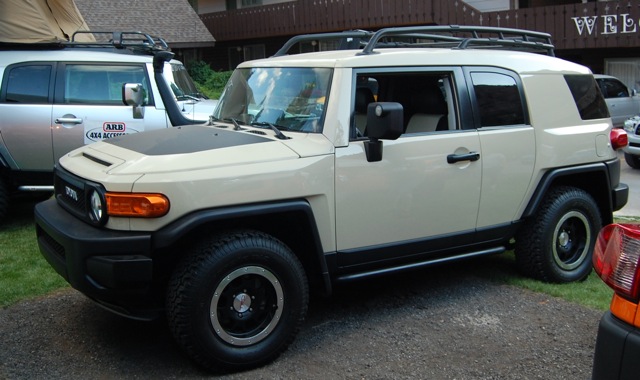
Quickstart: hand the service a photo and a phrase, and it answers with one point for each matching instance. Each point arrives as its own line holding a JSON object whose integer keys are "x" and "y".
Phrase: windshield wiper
{"x": 274, "y": 128}
{"x": 236, "y": 124}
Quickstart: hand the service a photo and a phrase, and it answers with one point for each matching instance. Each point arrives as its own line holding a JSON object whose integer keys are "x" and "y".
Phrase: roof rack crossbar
{"x": 121, "y": 40}
{"x": 349, "y": 34}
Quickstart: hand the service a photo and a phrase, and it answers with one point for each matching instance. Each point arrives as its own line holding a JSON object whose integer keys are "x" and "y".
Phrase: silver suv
{"x": 57, "y": 97}
{"x": 411, "y": 147}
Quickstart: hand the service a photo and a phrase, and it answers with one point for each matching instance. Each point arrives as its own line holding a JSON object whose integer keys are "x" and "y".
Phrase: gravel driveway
{"x": 440, "y": 323}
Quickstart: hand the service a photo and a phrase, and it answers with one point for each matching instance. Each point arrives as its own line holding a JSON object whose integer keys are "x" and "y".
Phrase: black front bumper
{"x": 617, "y": 350}
{"x": 114, "y": 268}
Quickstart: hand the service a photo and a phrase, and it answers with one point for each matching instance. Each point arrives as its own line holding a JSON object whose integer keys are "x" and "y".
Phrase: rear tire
{"x": 237, "y": 301}
{"x": 632, "y": 160}
{"x": 556, "y": 245}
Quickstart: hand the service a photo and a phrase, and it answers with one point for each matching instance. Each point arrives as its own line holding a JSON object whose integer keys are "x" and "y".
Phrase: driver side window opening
{"x": 427, "y": 98}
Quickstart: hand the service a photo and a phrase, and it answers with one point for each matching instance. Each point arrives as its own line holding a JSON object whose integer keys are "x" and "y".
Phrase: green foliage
{"x": 24, "y": 273}
{"x": 209, "y": 82}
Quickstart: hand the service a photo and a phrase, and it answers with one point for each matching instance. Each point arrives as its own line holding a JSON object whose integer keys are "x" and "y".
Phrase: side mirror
{"x": 384, "y": 122}
{"x": 634, "y": 92}
{"x": 133, "y": 95}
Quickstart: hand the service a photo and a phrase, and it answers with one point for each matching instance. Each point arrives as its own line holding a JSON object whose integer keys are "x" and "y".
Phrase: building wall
{"x": 210, "y": 6}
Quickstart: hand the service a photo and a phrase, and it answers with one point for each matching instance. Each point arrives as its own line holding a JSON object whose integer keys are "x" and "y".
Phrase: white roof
{"x": 520, "y": 62}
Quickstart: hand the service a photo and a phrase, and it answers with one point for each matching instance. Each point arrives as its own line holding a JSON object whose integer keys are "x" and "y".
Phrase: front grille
{"x": 70, "y": 193}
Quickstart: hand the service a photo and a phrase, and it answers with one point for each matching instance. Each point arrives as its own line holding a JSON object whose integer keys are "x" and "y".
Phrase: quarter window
{"x": 498, "y": 98}
{"x": 587, "y": 96}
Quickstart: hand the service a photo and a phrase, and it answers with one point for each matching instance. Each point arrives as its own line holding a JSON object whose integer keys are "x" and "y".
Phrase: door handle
{"x": 68, "y": 120}
{"x": 471, "y": 156}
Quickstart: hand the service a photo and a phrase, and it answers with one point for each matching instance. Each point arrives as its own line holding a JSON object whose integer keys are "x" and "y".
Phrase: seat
{"x": 429, "y": 111}
{"x": 364, "y": 96}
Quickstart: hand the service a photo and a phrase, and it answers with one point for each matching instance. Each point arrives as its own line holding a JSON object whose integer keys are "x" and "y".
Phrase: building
{"x": 604, "y": 35}
{"x": 173, "y": 20}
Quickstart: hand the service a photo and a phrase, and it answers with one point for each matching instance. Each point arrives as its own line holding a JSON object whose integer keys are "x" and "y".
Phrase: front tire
{"x": 556, "y": 245}
{"x": 237, "y": 301}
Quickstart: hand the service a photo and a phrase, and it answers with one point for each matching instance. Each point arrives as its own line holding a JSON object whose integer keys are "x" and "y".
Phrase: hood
{"x": 195, "y": 147}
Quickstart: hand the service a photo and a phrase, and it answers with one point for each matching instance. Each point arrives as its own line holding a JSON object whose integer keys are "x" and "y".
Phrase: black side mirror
{"x": 384, "y": 122}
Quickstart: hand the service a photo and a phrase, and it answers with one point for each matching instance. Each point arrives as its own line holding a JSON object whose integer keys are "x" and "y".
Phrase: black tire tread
{"x": 207, "y": 252}
{"x": 530, "y": 247}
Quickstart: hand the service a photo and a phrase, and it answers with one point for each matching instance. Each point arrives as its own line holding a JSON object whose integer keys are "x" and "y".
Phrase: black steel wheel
{"x": 556, "y": 244}
{"x": 237, "y": 301}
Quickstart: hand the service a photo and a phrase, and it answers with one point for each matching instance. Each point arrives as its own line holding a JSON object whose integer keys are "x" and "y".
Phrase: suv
{"x": 321, "y": 168}
{"x": 632, "y": 150}
{"x": 56, "y": 97}
{"x": 621, "y": 102}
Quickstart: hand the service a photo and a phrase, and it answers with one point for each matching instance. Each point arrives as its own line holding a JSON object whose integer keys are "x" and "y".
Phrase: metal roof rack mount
{"x": 452, "y": 36}
{"x": 133, "y": 40}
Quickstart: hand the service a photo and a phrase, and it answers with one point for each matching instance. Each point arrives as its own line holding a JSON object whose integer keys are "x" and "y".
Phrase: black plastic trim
{"x": 617, "y": 350}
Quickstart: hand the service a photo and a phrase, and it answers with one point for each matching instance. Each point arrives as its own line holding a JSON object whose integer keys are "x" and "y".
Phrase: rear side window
{"x": 499, "y": 100}
{"x": 101, "y": 84}
{"x": 588, "y": 98}
{"x": 28, "y": 84}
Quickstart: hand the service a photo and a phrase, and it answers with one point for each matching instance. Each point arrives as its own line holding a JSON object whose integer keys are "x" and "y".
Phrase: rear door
{"x": 88, "y": 104}
{"x": 25, "y": 116}
{"x": 508, "y": 144}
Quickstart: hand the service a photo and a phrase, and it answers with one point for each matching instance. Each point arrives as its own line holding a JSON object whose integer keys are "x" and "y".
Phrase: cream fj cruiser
{"x": 56, "y": 97}
{"x": 404, "y": 148}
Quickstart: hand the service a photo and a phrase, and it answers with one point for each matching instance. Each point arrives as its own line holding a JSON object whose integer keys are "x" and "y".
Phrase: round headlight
{"x": 97, "y": 207}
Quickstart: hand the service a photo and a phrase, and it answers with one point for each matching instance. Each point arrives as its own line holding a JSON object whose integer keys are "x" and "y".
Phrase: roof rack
{"x": 452, "y": 36}
{"x": 133, "y": 40}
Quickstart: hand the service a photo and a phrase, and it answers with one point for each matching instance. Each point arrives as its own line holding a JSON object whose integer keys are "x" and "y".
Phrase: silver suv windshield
{"x": 181, "y": 83}
{"x": 290, "y": 99}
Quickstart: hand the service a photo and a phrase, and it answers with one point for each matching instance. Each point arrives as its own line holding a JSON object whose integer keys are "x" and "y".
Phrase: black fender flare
{"x": 180, "y": 228}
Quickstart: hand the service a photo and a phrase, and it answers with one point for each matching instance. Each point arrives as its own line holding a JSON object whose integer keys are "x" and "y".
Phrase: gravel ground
{"x": 440, "y": 323}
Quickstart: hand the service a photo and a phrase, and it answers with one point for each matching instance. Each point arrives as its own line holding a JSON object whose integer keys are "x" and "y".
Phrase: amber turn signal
{"x": 137, "y": 205}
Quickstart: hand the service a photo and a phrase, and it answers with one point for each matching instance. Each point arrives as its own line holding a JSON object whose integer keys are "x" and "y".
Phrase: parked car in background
{"x": 616, "y": 260}
{"x": 622, "y": 103}
{"x": 632, "y": 151}
{"x": 55, "y": 97}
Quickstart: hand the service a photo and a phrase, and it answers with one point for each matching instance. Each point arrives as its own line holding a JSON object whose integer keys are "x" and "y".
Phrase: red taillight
{"x": 616, "y": 259}
{"x": 618, "y": 138}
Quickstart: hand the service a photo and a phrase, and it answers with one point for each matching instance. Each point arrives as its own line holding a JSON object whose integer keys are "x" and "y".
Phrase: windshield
{"x": 289, "y": 98}
{"x": 181, "y": 83}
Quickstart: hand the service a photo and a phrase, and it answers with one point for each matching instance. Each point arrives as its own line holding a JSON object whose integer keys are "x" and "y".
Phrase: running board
{"x": 422, "y": 264}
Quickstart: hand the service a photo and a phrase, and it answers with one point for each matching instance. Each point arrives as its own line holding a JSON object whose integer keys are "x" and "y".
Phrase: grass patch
{"x": 24, "y": 273}
{"x": 591, "y": 292}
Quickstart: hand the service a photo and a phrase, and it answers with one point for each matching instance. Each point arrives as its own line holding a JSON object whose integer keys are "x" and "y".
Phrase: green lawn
{"x": 24, "y": 273}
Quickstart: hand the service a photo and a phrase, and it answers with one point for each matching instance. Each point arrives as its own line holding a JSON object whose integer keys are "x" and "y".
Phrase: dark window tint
{"x": 612, "y": 88}
{"x": 588, "y": 98}
{"x": 498, "y": 98}
{"x": 28, "y": 84}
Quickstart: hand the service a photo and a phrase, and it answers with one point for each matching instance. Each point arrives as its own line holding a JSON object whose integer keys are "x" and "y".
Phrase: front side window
{"x": 291, "y": 99}
{"x": 588, "y": 98}
{"x": 101, "y": 84}
{"x": 427, "y": 97}
{"x": 28, "y": 84}
{"x": 498, "y": 99}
